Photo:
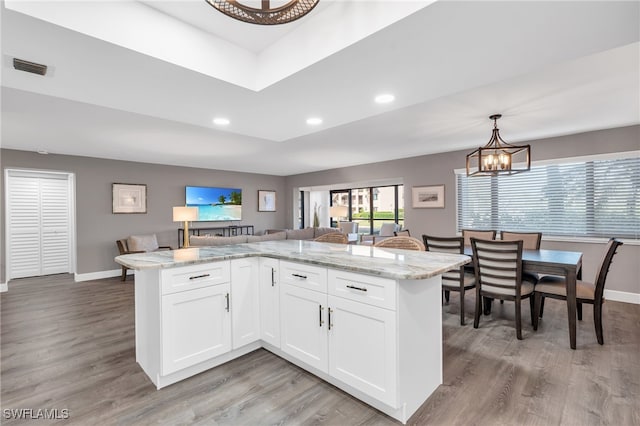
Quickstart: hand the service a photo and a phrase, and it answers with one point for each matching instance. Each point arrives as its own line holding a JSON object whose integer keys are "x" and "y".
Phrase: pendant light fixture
{"x": 498, "y": 157}
{"x": 266, "y": 15}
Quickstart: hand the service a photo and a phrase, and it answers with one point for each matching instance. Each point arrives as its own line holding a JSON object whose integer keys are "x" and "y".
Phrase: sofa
{"x": 287, "y": 234}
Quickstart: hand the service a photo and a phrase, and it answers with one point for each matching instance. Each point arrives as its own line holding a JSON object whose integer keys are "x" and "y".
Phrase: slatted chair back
{"x": 454, "y": 245}
{"x": 467, "y": 234}
{"x": 603, "y": 270}
{"x": 498, "y": 266}
{"x": 333, "y": 237}
{"x": 530, "y": 240}
{"x": 406, "y": 243}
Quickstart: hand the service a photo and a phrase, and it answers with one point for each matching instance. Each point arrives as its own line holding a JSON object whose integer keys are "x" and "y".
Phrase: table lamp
{"x": 185, "y": 214}
{"x": 338, "y": 212}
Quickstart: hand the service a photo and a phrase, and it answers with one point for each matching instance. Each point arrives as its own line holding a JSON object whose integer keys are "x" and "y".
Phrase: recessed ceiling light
{"x": 221, "y": 121}
{"x": 314, "y": 121}
{"x": 385, "y": 98}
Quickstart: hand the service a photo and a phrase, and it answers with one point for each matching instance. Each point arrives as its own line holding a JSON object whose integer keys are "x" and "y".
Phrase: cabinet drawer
{"x": 305, "y": 276}
{"x": 374, "y": 291}
{"x": 191, "y": 277}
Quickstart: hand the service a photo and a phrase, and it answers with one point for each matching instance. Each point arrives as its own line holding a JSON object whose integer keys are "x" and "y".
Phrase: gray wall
{"x": 438, "y": 169}
{"x": 97, "y": 228}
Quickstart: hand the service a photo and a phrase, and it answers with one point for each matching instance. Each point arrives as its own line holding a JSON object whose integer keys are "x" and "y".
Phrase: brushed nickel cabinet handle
{"x": 227, "y": 297}
{"x": 330, "y": 323}
{"x": 273, "y": 277}
{"x": 320, "y": 309}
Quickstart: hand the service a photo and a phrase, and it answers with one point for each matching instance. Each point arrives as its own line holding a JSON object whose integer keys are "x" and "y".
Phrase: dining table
{"x": 567, "y": 264}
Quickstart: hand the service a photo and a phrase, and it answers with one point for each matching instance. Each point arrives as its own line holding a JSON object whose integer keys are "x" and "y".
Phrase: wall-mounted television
{"x": 215, "y": 204}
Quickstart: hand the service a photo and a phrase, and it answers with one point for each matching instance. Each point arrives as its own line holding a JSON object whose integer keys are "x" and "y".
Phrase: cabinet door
{"x": 269, "y": 301}
{"x": 303, "y": 316}
{"x": 245, "y": 304}
{"x": 196, "y": 326}
{"x": 362, "y": 348}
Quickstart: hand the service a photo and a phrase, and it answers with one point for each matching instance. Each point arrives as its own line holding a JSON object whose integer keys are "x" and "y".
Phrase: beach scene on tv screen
{"x": 215, "y": 203}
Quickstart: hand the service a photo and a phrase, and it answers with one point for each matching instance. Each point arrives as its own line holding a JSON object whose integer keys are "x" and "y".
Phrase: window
{"x": 583, "y": 197}
{"x": 372, "y": 206}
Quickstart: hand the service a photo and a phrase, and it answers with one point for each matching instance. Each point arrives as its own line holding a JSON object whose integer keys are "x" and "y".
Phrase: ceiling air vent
{"x": 32, "y": 67}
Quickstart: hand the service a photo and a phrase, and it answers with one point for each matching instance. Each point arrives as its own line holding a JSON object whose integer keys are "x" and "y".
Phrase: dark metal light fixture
{"x": 498, "y": 157}
{"x": 266, "y": 15}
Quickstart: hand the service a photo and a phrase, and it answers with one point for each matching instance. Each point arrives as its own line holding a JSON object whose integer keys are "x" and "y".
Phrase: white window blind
{"x": 579, "y": 198}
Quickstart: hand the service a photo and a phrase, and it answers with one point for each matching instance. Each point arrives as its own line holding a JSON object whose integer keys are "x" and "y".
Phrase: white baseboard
{"x": 99, "y": 275}
{"x": 622, "y": 296}
{"x": 4, "y": 287}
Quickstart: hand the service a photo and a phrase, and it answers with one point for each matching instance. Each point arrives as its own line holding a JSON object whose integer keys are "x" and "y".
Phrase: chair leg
{"x": 532, "y": 309}
{"x": 462, "y": 306}
{"x": 597, "y": 320}
{"x": 124, "y": 274}
{"x": 579, "y": 310}
{"x": 446, "y": 295}
{"x": 476, "y": 316}
{"x": 488, "y": 302}
{"x": 537, "y": 301}
{"x": 518, "y": 321}
{"x": 541, "y": 307}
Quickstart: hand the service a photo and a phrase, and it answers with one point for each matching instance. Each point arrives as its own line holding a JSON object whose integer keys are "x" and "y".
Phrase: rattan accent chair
{"x": 406, "y": 243}
{"x": 593, "y": 294}
{"x": 457, "y": 280}
{"x": 332, "y": 237}
{"x": 530, "y": 240}
{"x": 498, "y": 269}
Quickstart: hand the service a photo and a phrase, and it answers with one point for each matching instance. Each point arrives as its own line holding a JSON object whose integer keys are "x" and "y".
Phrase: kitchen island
{"x": 365, "y": 319}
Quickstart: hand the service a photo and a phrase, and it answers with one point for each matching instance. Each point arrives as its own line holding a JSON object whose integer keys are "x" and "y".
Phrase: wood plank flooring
{"x": 67, "y": 345}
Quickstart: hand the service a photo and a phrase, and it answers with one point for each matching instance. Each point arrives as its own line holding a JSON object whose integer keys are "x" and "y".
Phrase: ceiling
{"x": 142, "y": 81}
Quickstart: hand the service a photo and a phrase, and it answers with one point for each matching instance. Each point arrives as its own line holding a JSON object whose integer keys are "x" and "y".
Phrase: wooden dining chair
{"x": 498, "y": 269}
{"x": 406, "y": 243}
{"x": 593, "y": 294}
{"x": 456, "y": 280}
{"x": 333, "y": 237}
{"x": 530, "y": 240}
{"x": 467, "y": 234}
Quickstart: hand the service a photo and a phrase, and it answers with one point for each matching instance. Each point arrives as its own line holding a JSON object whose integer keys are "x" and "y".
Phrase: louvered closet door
{"x": 39, "y": 226}
{"x": 54, "y": 219}
{"x": 24, "y": 227}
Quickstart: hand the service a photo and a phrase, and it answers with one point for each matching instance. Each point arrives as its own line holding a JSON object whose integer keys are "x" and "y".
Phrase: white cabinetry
{"x": 302, "y": 319}
{"x": 346, "y": 333}
{"x": 270, "y": 301}
{"x": 362, "y": 348}
{"x": 195, "y": 327}
{"x": 245, "y": 304}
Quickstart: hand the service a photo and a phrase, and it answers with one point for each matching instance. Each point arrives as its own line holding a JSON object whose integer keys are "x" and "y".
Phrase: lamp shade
{"x": 338, "y": 211}
{"x": 185, "y": 214}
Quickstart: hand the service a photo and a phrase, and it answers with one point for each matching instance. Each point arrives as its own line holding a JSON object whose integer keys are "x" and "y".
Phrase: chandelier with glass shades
{"x": 282, "y": 13}
{"x": 498, "y": 157}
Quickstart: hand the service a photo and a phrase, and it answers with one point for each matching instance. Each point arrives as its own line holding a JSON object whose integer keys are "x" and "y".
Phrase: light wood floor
{"x": 67, "y": 345}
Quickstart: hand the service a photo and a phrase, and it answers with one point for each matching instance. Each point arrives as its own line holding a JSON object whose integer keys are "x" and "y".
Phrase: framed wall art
{"x": 428, "y": 197}
{"x": 266, "y": 201}
{"x": 129, "y": 198}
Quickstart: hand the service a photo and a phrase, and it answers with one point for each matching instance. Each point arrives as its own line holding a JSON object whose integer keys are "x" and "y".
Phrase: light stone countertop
{"x": 383, "y": 262}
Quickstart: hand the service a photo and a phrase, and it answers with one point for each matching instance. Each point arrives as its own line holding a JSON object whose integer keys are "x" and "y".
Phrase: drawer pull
{"x": 357, "y": 288}
{"x": 320, "y": 309}
{"x": 273, "y": 277}
{"x": 304, "y": 277}
{"x": 195, "y": 277}
{"x": 227, "y": 297}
